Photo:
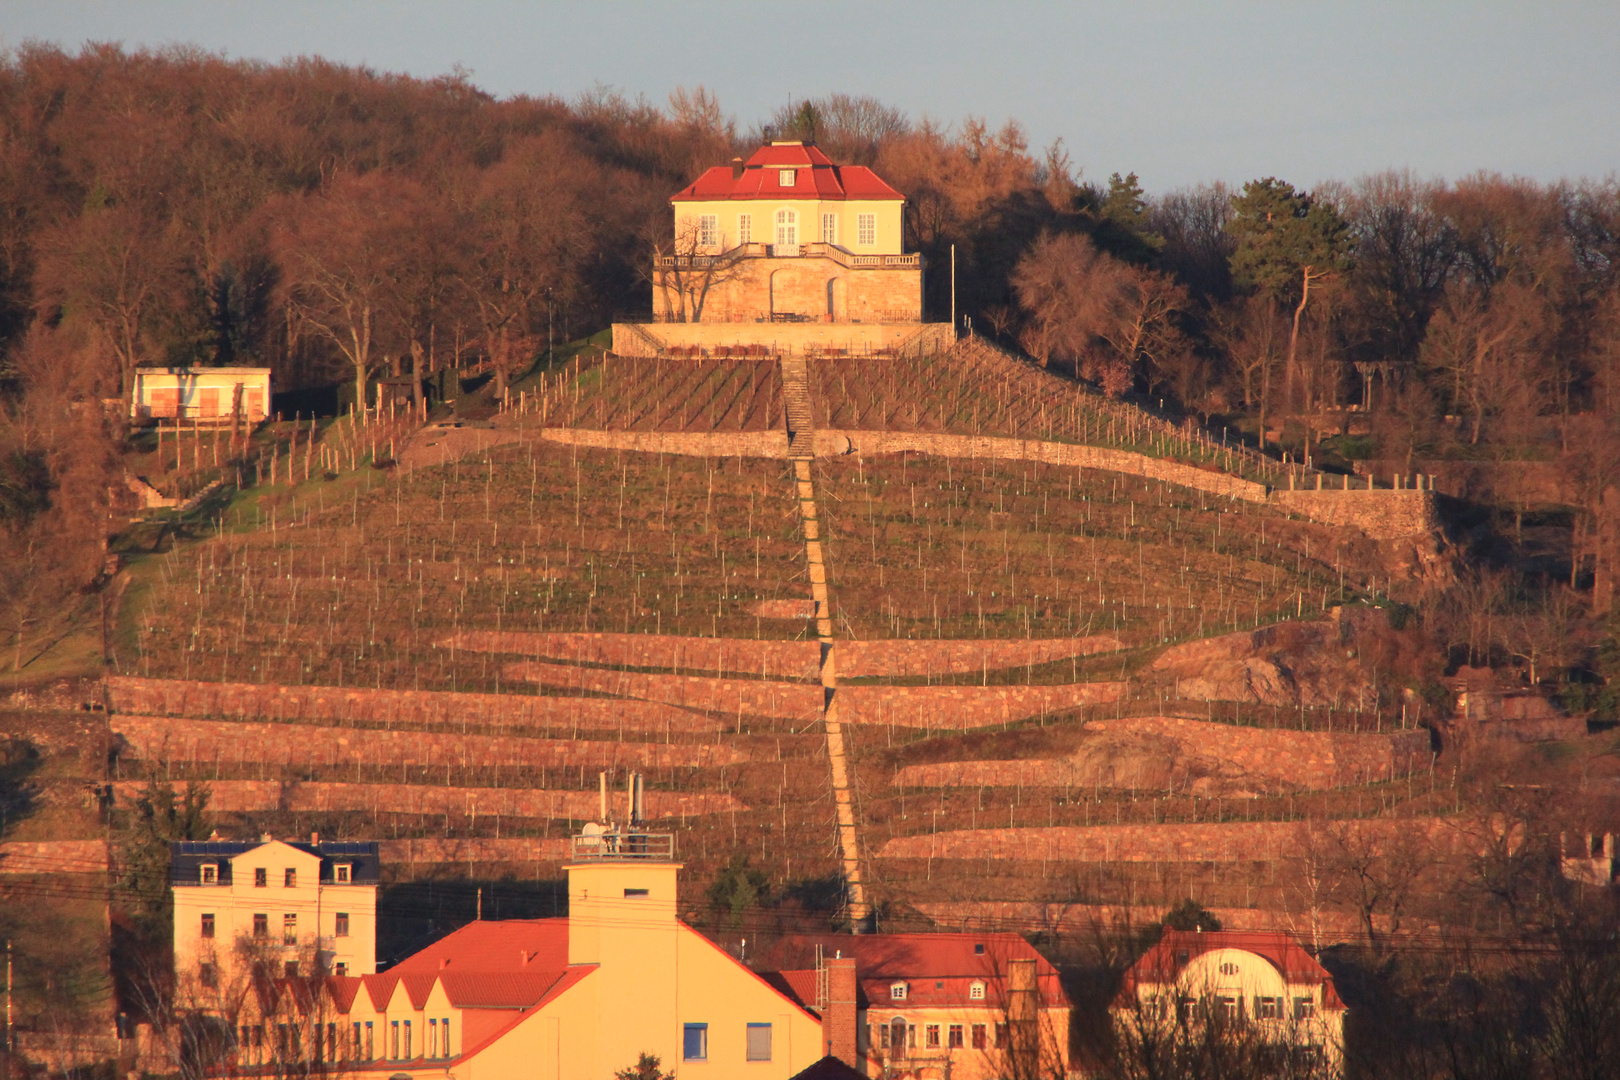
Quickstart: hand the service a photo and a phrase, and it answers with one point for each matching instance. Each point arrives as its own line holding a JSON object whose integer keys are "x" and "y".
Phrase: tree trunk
{"x": 1293, "y": 340}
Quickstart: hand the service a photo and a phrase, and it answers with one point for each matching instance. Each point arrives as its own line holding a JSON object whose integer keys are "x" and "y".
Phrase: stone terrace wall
{"x": 1238, "y": 841}
{"x": 1020, "y": 916}
{"x": 647, "y": 339}
{"x": 1271, "y": 759}
{"x": 782, "y": 659}
{"x": 858, "y": 659}
{"x": 53, "y": 857}
{"x": 765, "y": 444}
{"x": 767, "y": 659}
{"x": 238, "y": 796}
{"x": 959, "y": 708}
{"x": 272, "y": 701}
{"x": 733, "y": 697}
{"x": 1381, "y": 513}
{"x": 153, "y": 738}
{"x": 408, "y": 854}
{"x": 834, "y": 442}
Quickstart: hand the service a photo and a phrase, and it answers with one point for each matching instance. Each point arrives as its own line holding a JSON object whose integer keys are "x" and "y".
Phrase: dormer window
{"x": 785, "y": 177}
{"x": 344, "y": 873}
{"x": 976, "y": 991}
{"x": 208, "y": 873}
{"x": 897, "y": 991}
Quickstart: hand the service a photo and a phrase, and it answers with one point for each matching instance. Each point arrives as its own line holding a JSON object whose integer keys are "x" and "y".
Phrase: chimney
{"x": 315, "y": 838}
{"x": 736, "y": 168}
{"x": 1023, "y": 1016}
{"x": 838, "y": 1028}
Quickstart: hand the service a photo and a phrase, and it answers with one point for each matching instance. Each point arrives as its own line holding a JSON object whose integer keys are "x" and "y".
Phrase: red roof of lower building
{"x": 514, "y": 945}
{"x": 938, "y": 969}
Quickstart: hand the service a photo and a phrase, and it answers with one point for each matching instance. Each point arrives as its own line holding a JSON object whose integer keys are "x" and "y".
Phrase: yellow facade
{"x": 787, "y": 222}
{"x": 637, "y": 981}
{"x": 291, "y": 917}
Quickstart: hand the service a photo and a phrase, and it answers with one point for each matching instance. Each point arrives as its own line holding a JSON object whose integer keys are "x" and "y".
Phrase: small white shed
{"x": 207, "y": 394}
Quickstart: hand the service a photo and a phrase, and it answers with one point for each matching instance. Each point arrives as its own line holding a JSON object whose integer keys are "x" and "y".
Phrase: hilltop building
{"x": 289, "y": 907}
{"x": 787, "y": 252}
{"x": 1262, "y": 977}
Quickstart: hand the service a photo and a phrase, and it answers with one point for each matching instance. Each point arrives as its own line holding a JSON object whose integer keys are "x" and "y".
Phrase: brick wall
{"x": 153, "y": 738}
{"x": 238, "y": 796}
{"x": 1239, "y": 841}
{"x": 271, "y": 701}
{"x": 1269, "y": 760}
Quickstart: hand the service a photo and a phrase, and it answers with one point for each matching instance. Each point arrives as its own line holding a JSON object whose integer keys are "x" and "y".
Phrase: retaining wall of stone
{"x": 960, "y": 708}
{"x": 247, "y": 796}
{"x": 1270, "y": 759}
{"x": 901, "y": 658}
{"x": 406, "y": 855}
{"x": 1017, "y": 916}
{"x": 53, "y": 857}
{"x": 272, "y": 701}
{"x": 731, "y": 697}
{"x": 155, "y": 738}
{"x": 1237, "y": 841}
{"x": 1381, "y": 513}
{"x": 767, "y": 659}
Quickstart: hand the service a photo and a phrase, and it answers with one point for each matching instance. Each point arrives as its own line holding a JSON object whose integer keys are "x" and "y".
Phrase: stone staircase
{"x": 796, "y": 401}
{"x": 801, "y": 451}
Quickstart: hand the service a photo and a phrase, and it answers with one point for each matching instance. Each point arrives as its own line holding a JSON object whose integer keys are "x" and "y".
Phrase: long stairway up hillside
{"x": 800, "y": 423}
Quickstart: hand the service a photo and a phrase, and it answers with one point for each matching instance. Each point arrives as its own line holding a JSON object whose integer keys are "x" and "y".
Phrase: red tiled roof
{"x": 498, "y": 990}
{"x": 798, "y": 987}
{"x": 417, "y": 988}
{"x": 1177, "y": 948}
{"x": 343, "y": 989}
{"x": 952, "y": 961}
{"x": 815, "y": 177}
{"x": 380, "y": 988}
{"x": 514, "y": 945}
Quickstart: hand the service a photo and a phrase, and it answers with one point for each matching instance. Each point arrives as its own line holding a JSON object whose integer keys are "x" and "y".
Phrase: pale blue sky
{"x": 1178, "y": 92}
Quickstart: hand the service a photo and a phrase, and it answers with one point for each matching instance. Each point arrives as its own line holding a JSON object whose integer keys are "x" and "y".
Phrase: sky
{"x": 1177, "y": 92}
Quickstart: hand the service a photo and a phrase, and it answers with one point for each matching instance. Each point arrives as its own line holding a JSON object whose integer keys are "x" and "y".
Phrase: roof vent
{"x": 736, "y": 168}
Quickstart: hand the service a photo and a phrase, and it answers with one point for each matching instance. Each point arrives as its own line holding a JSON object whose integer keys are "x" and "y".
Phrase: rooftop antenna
{"x": 601, "y": 778}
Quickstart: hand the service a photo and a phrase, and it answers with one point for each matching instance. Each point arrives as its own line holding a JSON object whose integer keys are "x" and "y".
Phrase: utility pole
{"x": 953, "y": 289}
{"x": 8, "y": 1002}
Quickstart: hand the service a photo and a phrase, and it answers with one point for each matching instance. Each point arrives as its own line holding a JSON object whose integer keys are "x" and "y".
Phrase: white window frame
{"x": 976, "y": 991}
{"x": 344, "y": 873}
{"x": 866, "y": 229}
{"x": 208, "y": 873}
{"x": 708, "y": 233}
{"x": 897, "y": 991}
{"x": 786, "y": 177}
{"x": 745, "y": 228}
{"x": 829, "y": 228}
{"x": 787, "y": 227}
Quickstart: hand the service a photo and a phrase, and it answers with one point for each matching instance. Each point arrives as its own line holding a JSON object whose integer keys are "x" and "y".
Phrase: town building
{"x": 787, "y": 252}
{"x": 275, "y": 907}
{"x": 549, "y": 999}
{"x": 1264, "y": 978}
{"x": 206, "y": 394}
{"x": 962, "y": 1006}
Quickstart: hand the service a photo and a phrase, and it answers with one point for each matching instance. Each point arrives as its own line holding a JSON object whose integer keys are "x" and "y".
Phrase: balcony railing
{"x": 624, "y": 847}
{"x": 780, "y": 251}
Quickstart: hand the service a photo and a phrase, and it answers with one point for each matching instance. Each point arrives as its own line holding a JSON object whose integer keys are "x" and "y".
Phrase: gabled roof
{"x": 417, "y": 988}
{"x": 1163, "y": 963}
{"x": 815, "y": 177}
{"x": 509, "y": 945}
{"x": 343, "y": 989}
{"x": 497, "y": 990}
{"x": 938, "y": 969}
{"x": 829, "y": 1068}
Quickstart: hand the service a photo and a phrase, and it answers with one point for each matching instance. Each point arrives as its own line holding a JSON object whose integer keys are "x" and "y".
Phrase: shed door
{"x": 208, "y": 403}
